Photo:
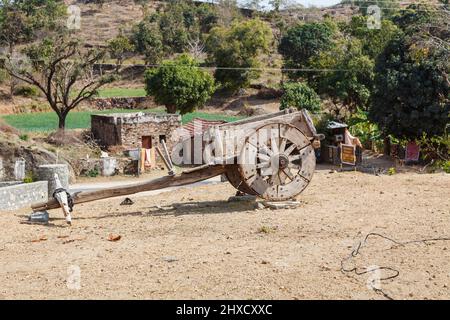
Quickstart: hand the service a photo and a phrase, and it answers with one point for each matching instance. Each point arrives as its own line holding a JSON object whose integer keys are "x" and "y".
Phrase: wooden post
{"x": 142, "y": 160}
{"x": 196, "y": 175}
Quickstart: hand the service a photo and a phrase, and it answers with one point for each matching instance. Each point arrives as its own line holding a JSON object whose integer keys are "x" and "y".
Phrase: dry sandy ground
{"x": 228, "y": 250}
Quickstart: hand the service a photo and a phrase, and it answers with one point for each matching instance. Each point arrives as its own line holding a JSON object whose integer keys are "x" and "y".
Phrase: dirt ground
{"x": 192, "y": 243}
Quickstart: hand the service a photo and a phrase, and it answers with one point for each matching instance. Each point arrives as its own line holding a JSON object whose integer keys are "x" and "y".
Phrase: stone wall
{"x": 9, "y": 183}
{"x": 23, "y": 195}
{"x": 2, "y": 169}
{"x": 122, "y": 103}
{"x": 128, "y": 129}
{"x": 11, "y": 155}
{"x": 107, "y": 133}
{"x": 47, "y": 173}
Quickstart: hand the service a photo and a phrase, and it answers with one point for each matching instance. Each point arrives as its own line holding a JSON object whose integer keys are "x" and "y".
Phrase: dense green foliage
{"x": 235, "y": 51}
{"x": 148, "y": 41}
{"x": 119, "y": 48}
{"x": 411, "y": 93}
{"x": 299, "y": 96}
{"x": 173, "y": 29}
{"x": 302, "y": 43}
{"x": 179, "y": 85}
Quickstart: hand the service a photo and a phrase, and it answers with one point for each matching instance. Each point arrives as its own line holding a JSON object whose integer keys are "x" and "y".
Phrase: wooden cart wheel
{"x": 235, "y": 178}
{"x": 277, "y": 161}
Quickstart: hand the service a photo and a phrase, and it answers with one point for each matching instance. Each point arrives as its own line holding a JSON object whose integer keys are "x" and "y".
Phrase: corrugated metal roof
{"x": 336, "y": 125}
{"x": 199, "y": 125}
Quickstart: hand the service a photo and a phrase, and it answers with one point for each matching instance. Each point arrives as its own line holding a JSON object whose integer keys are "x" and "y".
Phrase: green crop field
{"x": 48, "y": 121}
{"x": 121, "y": 92}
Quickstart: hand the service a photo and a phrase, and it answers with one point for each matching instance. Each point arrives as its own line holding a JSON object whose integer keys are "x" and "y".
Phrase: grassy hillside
{"x": 101, "y": 23}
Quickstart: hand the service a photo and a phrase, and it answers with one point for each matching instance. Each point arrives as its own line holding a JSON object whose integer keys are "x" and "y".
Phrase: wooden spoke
{"x": 265, "y": 149}
{"x": 289, "y": 174}
{"x": 282, "y": 177}
{"x": 294, "y": 166}
{"x": 266, "y": 171}
{"x": 263, "y": 157}
{"x": 263, "y": 165}
{"x": 274, "y": 179}
{"x": 274, "y": 145}
{"x": 283, "y": 145}
{"x": 290, "y": 149}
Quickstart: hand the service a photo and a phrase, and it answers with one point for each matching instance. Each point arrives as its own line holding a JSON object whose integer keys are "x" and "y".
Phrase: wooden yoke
{"x": 187, "y": 177}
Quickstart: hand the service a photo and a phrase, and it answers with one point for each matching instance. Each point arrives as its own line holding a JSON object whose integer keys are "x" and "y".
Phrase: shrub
{"x": 3, "y": 75}
{"x": 300, "y": 96}
{"x": 29, "y": 177}
{"x": 93, "y": 173}
{"x": 368, "y": 132}
{"x": 26, "y": 91}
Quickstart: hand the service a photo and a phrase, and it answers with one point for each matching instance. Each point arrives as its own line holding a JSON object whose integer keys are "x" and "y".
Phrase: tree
{"x": 208, "y": 17}
{"x": 176, "y": 24}
{"x": 120, "y": 48}
{"x": 15, "y": 29}
{"x": 373, "y": 40}
{"x": 349, "y": 81}
{"x": 21, "y": 21}
{"x": 301, "y": 96}
{"x": 174, "y": 30}
{"x": 179, "y": 84}
{"x": 227, "y": 11}
{"x": 411, "y": 90}
{"x": 147, "y": 40}
{"x": 235, "y": 52}
{"x": 304, "y": 42}
{"x": 59, "y": 68}
{"x": 15, "y": 25}
{"x": 276, "y": 5}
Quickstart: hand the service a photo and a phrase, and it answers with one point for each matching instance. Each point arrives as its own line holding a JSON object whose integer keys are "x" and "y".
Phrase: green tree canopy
{"x": 235, "y": 51}
{"x": 349, "y": 81}
{"x": 304, "y": 42}
{"x": 411, "y": 89}
{"x": 148, "y": 41}
{"x": 21, "y": 21}
{"x": 173, "y": 29}
{"x": 179, "y": 84}
{"x": 373, "y": 40}
{"x": 301, "y": 96}
{"x": 119, "y": 48}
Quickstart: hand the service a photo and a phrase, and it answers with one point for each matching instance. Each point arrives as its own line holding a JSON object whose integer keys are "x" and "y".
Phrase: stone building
{"x": 134, "y": 130}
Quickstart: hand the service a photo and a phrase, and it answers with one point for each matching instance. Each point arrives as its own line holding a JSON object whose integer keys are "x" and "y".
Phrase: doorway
{"x": 147, "y": 142}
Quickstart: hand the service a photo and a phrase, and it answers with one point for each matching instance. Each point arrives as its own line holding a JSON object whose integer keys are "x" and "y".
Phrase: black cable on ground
{"x": 393, "y": 272}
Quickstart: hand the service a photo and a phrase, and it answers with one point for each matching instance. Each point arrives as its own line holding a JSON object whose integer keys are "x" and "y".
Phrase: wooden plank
{"x": 156, "y": 184}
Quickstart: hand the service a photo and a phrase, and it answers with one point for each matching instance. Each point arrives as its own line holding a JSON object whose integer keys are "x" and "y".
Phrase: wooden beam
{"x": 182, "y": 179}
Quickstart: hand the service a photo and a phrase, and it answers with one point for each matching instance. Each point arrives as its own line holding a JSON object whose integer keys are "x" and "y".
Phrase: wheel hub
{"x": 283, "y": 161}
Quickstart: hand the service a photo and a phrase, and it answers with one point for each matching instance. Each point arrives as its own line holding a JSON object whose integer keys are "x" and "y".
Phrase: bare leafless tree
{"x": 197, "y": 48}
